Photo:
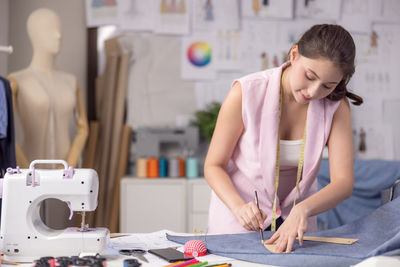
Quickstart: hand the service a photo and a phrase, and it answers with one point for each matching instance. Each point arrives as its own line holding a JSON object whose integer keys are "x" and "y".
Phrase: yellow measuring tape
{"x": 277, "y": 166}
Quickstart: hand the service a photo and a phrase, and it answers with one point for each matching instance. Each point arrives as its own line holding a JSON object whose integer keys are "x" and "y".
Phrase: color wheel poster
{"x": 198, "y": 62}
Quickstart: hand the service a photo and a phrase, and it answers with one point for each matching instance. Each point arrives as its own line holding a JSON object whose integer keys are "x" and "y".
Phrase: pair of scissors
{"x": 138, "y": 253}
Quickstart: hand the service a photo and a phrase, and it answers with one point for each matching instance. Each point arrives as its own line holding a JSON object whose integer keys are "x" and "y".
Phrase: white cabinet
{"x": 149, "y": 205}
{"x": 199, "y": 193}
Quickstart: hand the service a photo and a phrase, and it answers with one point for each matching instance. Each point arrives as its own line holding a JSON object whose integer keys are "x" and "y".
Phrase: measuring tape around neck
{"x": 277, "y": 166}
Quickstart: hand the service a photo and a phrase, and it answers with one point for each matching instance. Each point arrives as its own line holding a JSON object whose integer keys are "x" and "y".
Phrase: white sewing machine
{"x": 24, "y": 236}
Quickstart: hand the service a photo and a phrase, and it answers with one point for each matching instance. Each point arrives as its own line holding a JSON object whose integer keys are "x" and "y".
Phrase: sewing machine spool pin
{"x": 84, "y": 227}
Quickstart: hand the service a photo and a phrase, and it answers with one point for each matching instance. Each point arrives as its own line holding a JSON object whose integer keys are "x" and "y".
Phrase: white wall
{"x": 72, "y": 57}
{"x": 3, "y": 35}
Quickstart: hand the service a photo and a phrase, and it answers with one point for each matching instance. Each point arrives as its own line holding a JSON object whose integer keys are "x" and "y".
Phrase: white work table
{"x": 158, "y": 239}
{"x": 153, "y": 240}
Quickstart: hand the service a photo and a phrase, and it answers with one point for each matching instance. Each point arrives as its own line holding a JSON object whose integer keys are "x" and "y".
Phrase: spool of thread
{"x": 191, "y": 168}
{"x": 173, "y": 167}
{"x": 181, "y": 167}
{"x": 141, "y": 167}
{"x": 152, "y": 168}
{"x": 163, "y": 167}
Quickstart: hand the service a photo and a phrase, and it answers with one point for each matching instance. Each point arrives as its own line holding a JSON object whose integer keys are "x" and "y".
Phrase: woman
{"x": 302, "y": 104}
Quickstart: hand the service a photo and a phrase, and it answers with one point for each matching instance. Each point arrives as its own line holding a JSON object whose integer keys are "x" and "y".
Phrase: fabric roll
{"x": 141, "y": 167}
{"x": 152, "y": 168}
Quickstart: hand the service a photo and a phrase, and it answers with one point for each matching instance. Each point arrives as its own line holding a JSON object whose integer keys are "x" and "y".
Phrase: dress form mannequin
{"x": 46, "y": 101}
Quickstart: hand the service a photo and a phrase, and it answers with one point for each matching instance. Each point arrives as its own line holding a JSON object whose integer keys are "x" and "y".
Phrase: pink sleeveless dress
{"x": 252, "y": 165}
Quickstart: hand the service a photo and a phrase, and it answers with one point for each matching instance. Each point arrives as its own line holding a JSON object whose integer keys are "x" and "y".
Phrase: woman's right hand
{"x": 250, "y": 217}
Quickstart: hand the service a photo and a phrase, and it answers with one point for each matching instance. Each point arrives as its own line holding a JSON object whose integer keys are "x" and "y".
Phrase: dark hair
{"x": 332, "y": 42}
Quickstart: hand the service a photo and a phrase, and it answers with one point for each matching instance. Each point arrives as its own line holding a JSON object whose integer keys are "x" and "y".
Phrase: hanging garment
{"x": 7, "y": 144}
{"x": 377, "y": 234}
{"x": 3, "y": 112}
{"x": 253, "y": 162}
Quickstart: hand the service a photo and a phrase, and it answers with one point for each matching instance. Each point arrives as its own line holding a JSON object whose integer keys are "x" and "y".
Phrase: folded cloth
{"x": 371, "y": 177}
{"x": 378, "y": 234}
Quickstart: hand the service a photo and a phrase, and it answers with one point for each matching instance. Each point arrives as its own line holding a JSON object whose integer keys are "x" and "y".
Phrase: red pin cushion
{"x": 195, "y": 248}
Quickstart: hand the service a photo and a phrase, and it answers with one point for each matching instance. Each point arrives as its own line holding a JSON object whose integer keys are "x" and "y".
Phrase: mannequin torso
{"x": 45, "y": 100}
{"x": 34, "y": 92}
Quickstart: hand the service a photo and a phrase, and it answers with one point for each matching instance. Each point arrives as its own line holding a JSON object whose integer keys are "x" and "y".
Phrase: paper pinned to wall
{"x": 217, "y": 90}
{"x": 156, "y": 93}
{"x": 376, "y": 61}
{"x": 387, "y": 42}
{"x": 375, "y": 80}
{"x": 259, "y": 45}
{"x": 198, "y": 56}
{"x": 391, "y": 111}
{"x": 272, "y": 9}
{"x": 266, "y": 44}
{"x": 370, "y": 110}
{"x": 384, "y": 10}
{"x": 318, "y": 9}
{"x": 355, "y": 16}
{"x": 289, "y": 32}
{"x": 215, "y": 15}
{"x": 172, "y": 16}
{"x": 136, "y": 15}
{"x": 101, "y": 12}
{"x": 228, "y": 54}
{"x": 373, "y": 141}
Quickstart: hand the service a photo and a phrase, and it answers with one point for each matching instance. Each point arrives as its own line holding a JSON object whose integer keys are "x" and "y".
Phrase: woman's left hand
{"x": 294, "y": 226}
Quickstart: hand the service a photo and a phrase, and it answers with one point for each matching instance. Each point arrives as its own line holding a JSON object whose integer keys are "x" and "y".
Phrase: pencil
{"x": 258, "y": 207}
{"x": 199, "y": 264}
{"x": 174, "y": 264}
{"x": 187, "y": 263}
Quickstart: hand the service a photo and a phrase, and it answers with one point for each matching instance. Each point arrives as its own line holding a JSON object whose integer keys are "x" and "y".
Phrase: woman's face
{"x": 312, "y": 79}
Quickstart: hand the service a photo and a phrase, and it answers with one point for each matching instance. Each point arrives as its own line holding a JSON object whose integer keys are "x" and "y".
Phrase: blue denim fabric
{"x": 378, "y": 234}
{"x": 370, "y": 178}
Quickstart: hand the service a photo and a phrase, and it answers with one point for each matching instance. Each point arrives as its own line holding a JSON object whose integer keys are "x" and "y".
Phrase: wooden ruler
{"x": 335, "y": 240}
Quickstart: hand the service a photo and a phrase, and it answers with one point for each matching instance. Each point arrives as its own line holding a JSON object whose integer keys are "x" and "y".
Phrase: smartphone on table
{"x": 170, "y": 254}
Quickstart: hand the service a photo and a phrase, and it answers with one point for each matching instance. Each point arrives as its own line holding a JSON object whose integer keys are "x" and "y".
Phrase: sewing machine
{"x": 24, "y": 237}
{"x": 155, "y": 142}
